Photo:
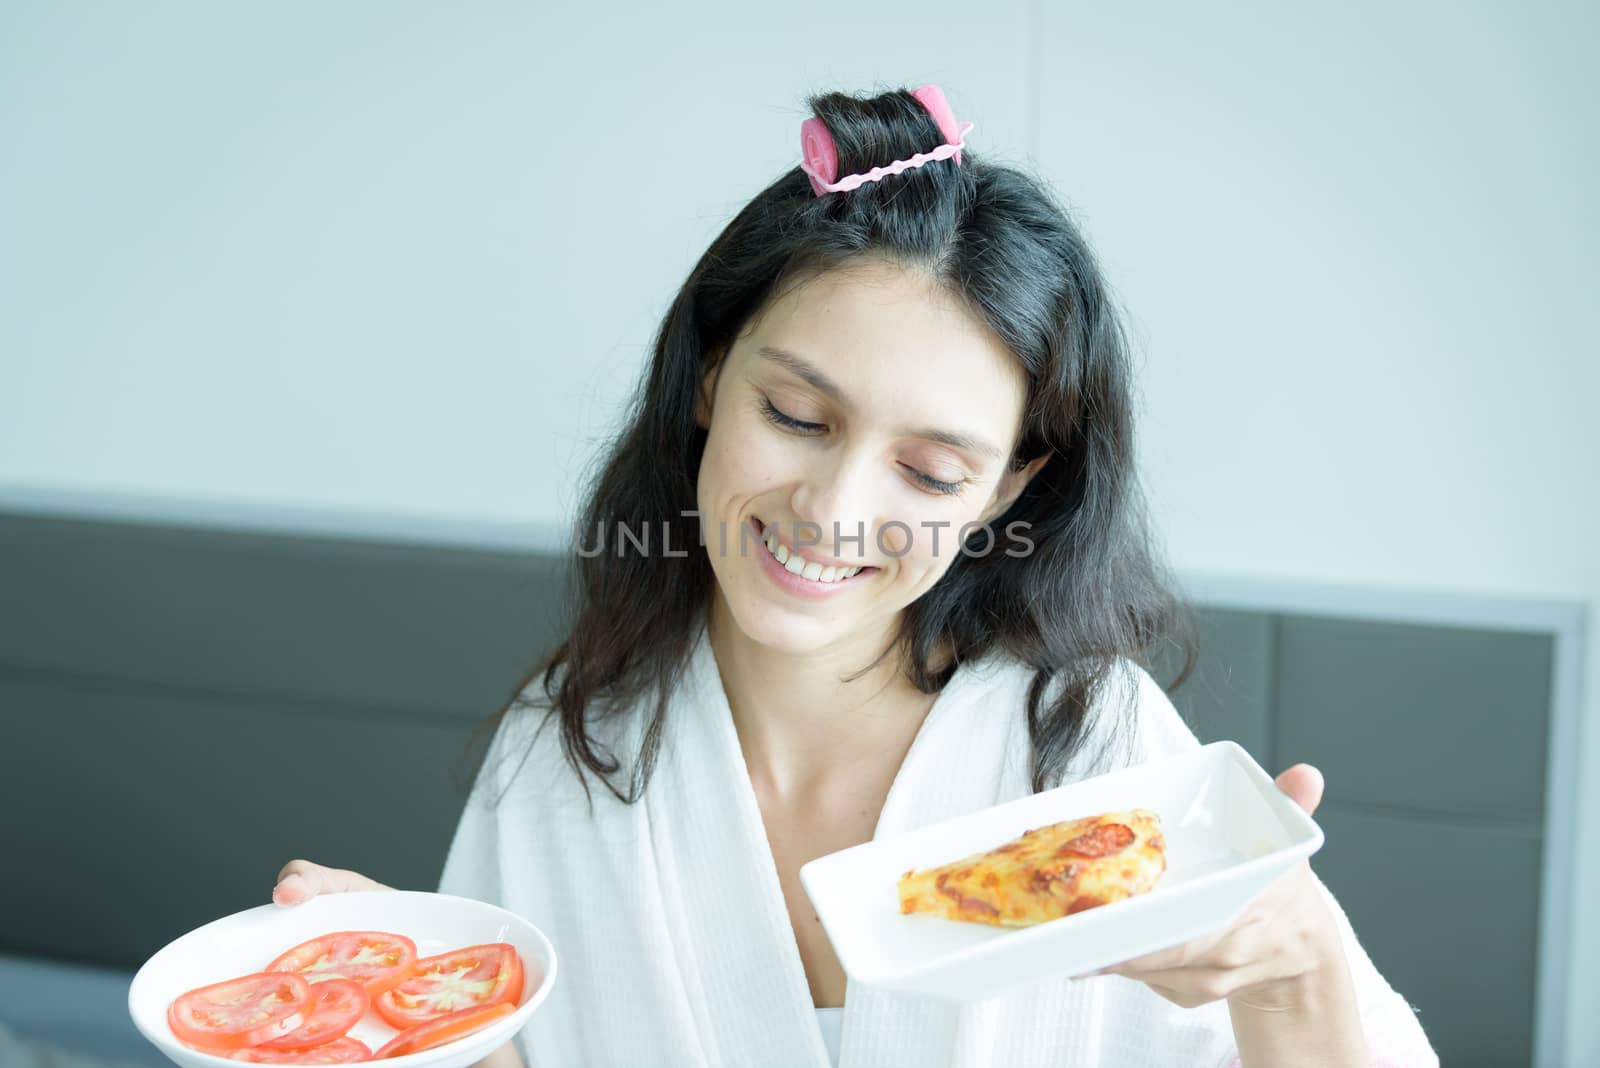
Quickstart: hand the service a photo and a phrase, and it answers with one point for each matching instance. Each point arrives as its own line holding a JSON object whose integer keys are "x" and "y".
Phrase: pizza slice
{"x": 1047, "y": 873}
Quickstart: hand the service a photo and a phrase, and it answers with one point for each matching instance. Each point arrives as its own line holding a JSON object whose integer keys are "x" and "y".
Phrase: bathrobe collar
{"x": 743, "y": 974}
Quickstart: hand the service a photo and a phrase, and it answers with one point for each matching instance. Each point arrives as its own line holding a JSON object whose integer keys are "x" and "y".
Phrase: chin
{"x": 770, "y": 624}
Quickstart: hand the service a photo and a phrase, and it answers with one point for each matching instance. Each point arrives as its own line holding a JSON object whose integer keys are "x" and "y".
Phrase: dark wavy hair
{"x": 1090, "y": 592}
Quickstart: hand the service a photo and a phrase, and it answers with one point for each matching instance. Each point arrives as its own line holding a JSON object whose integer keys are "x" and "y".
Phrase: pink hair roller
{"x": 820, "y": 159}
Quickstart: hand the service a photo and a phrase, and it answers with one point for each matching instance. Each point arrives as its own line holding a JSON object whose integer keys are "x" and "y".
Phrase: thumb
{"x": 302, "y": 880}
{"x": 1303, "y": 783}
{"x": 298, "y": 882}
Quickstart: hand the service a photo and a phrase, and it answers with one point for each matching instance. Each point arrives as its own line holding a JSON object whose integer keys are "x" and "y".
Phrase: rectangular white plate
{"x": 1229, "y": 832}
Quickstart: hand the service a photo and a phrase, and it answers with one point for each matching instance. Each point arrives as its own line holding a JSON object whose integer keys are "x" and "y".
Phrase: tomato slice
{"x": 336, "y": 1006}
{"x": 376, "y": 959}
{"x": 245, "y": 1011}
{"x": 442, "y": 1029}
{"x": 339, "y": 1051}
{"x": 473, "y": 977}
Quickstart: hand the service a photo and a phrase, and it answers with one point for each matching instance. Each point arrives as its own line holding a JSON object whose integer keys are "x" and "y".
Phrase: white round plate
{"x": 248, "y": 941}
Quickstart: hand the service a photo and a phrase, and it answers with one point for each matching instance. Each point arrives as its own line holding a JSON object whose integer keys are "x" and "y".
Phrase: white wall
{"x": 1361, "y": 249}
{"x": 359, "y": 266}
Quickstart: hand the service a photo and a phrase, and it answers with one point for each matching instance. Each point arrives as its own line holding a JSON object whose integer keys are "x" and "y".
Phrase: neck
{"x": 805, "y": 721}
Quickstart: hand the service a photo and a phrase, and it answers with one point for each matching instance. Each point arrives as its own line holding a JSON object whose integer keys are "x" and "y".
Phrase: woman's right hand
{"x": 301, "y": 880}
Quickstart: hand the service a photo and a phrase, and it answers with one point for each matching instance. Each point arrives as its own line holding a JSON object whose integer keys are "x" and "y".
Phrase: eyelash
{"x": 800, "y": 426}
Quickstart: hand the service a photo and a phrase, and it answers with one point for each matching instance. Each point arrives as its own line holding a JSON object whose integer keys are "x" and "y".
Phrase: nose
{"x": 836, "y": 494}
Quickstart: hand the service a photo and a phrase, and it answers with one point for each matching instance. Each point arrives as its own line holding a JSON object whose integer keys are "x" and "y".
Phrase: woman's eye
{"x": 800, "y": 426}
{"x": 934, "y": 484}
{"x": 788, "y": 422}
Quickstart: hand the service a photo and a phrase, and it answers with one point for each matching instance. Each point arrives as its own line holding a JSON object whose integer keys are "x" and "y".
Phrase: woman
{"x": 869, "y": 553}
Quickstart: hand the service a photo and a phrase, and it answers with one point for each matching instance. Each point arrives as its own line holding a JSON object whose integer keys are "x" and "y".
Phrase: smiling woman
{"x": 889, "y": 424}
{"x": 886, "y": 434}
{"x": 930, "y": 370}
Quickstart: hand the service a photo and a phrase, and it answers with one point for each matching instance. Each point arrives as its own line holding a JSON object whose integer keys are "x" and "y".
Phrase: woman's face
{"x": 871, "y": 415}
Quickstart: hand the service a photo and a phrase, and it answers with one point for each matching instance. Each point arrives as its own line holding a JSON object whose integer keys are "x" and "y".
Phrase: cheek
{"x": 933, "y": 542}
{"x": 739, "y": 462}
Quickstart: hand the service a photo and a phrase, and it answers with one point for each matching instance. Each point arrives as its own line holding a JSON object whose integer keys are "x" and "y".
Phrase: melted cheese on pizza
{"x": 1047, "y": 873}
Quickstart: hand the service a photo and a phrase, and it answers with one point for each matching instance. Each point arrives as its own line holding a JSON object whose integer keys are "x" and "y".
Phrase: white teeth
{"x": 800, "y": 566}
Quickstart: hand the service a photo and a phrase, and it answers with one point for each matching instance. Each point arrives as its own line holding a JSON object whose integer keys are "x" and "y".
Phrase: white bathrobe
{"x": 673, "y": 941}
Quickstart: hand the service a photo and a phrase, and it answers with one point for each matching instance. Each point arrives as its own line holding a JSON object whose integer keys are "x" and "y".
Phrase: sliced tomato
{"x": 336, "y": 1006}
{"x": 460, "y": 979}
{"x": 240, "y": 1012}
{"x": 339, "y": 1051}
{"x": 376, "y": 959}
{"x": 442, "y": 1029}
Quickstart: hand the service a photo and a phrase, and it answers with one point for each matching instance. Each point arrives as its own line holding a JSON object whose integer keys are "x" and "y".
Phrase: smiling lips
{"x": 795, "y": 562}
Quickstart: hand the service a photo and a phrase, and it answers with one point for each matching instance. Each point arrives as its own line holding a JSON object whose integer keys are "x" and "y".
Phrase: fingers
{"x": 1259, "y": 948}
{"x": 1192, "y": 987}
{"x": 1188, "y": 978}
{"x": 1159, "y": 961}
{"x": 1223, "y": 944}
{"x": 1178, "y": 956}
{"x": 300, "y": 880}
{"x": 1304, "y": 784}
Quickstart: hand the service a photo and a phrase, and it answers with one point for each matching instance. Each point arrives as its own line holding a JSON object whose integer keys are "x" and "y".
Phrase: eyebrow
{"x": 808, "y": 373}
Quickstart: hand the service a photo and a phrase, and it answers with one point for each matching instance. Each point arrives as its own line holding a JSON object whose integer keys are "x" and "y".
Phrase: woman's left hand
{"x": 1262, "y": 961}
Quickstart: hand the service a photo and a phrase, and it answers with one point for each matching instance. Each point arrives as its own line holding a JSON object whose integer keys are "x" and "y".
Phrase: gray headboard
{"x": 186, "y": 709}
